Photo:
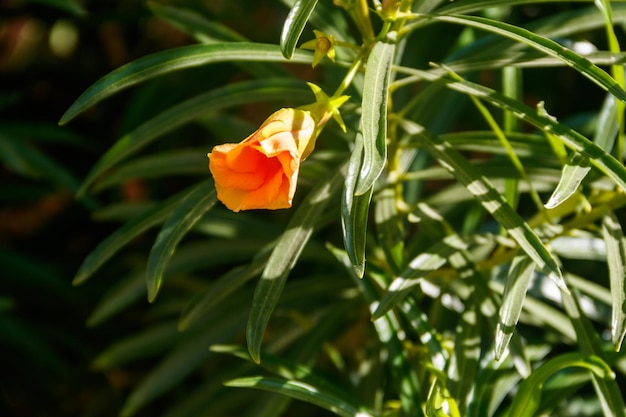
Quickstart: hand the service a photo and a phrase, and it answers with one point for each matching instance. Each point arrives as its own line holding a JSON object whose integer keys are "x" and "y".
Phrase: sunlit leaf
{"x": 190, "y": 210}
{"x": 616, "y": 259}
{"x": 284, "y": 257}
{"x": 294, "y": 25}
{"x": 374, "y": 114}
{"x": 173, "y": 60}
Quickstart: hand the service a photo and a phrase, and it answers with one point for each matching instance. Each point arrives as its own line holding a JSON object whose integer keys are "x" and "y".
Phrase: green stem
{"x": 354, "y": 68}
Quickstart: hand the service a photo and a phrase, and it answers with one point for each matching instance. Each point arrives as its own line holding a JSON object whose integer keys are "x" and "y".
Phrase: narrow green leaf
{"x": 301, "y": 391}
{"x": 29, "y": 161}
{"x": 607, "y": 389}
{"x": 200, "y": 200}
{"x": 218, "y": 291}
{"x": 120, "y": 296}
{"x": 125, "y": 234}
{"x": 294, "y": 25}
{"x": 190, "y": 352}
{"x": 528, "y": 396}
{"x": 194, "y": 108}
{"x": 391, "y": 334}
{"x": 389, "y": 228}
{"x": 482, "y": 189}
{"x": 208, "y": 31}
{"x": 70, "y": 6}
{"x": 579, "y": 63}
{"x": 426, "y": 262}
{"x": 355, "y": 210}
{"x": 166, "y": 164}
{"x": 172, "y": 60}
{"x": 141, "y": 345}
{"x": 517, "y": 282}
{"x": 598, "y": 156}
{"x": 195, "y": 24}
{"x": 578, "y": 166}
{"x": 284, "y": 257}
{"x": 374, "y": 113}
{"x": 573, "y": 174}
{"x": 616, "y": 259}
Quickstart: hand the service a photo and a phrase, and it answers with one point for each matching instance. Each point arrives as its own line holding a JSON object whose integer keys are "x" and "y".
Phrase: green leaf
{"x": 355, "y": 210}
{"x": 29, "y": 161}
{"x": 374, "y": 113}
{"x": 218, "y": 291}
{"x": 190, "y": 352}
{"x": 482, "y": 189}
{"x": 301, "y": 391}
{"x": 391, "y": 335}
{"x": 518, "y": 279}
{"x": 294, "y": 25}
{"x": 208, "y": 31}
{"x": 598, "y": 156}
{"x": 118, "y": 297}
{"x": 549, "y": 47}
{"x": 171, "y": 60}
{"x": 284, "y": 257}
{"x": 70, "y": 6}
{"x": 191, "y": 209}
{"x": 528, "y": 397}
{"x": 578, "y": 166}
{"x": 616, "y": 259}
{"x": 194, "y": 108}
{"x": 195, "y": 24}
{"x": 166, "y": 164}
{"x": 432, "y": 259}
{"x": 470, "y": 6}
{"x": 141, "y": 345}
{"x": 125, "y": 234}
{"x": 389, "y": 228}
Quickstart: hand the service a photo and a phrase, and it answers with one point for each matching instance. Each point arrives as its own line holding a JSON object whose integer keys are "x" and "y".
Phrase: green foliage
{"x": 458, "y": 250}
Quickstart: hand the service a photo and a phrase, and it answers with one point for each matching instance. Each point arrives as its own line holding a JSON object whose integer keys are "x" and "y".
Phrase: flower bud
{"x": 261, "y": 172}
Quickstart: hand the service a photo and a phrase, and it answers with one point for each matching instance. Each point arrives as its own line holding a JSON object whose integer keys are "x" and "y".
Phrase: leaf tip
{"x": 503, "y": 337}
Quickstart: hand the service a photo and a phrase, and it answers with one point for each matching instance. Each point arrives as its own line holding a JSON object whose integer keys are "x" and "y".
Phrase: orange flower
{"x": 261, "y": 172}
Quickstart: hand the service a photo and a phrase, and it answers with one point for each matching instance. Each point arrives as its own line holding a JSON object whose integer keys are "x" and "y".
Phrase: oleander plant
{"x": 364, "y": 208}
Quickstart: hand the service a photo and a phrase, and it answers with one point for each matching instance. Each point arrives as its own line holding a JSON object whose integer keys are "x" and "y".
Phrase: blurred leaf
{"x": 218, "y": 291}
{"x": 173, "y": 60}
{"x": 166, "y": 164}
{"x": 294, "y": 25}
{"x": 121, "y": 295}
{"x": 29, "y": 161}
{"x": 142, "y": 345}
{"x": 191, "y": 209}
{"x": 389, "y": 228}
{"x": 195, "y": 24}
{"x": 391, "y": 335}
{"x": 528, "y": 396}
{"x": 230, "y": 95}
{"x": 607, "y": 389}
{"x": 70, "y": 6}
{"x": 189, "y": 353}
{"x": 616, "y": 259}
{"x": 284, "y": 257}
{"x": 355, "y": 210}
{"x": 208, "y": 31}
{"x": 374, "y": 113}
{"x": 301, "y": 391}
{"x": 125, "y": 234}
